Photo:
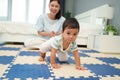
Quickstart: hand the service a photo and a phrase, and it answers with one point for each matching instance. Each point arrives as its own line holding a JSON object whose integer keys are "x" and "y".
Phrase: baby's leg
{"x": 42, "y": 56}
{"x": 63, "y": 57}
{"x": 44, "y": 47}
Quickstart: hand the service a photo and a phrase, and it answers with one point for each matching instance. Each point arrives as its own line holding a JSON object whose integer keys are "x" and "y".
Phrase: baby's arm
{"x": 77, "y": 60}
{"x": 53, "y": 59}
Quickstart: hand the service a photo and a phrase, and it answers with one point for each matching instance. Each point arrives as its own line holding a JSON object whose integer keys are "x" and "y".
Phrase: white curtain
{"x": 28, "y": 10}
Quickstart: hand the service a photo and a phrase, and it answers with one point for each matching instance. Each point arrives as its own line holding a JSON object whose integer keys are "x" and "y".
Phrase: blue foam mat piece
{"x": 36, "y": 71}
{"x": 26, "y": 71}
{"x": 6, "y": 59}
{"x": 103, "y": 70}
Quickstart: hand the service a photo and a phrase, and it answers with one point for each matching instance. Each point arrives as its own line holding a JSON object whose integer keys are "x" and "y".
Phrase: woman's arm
{"x": 42, "y": 33}
{"x": 77, "y": 60}
{"x": 53, "y": 59}
{"x": 50, "y": 34}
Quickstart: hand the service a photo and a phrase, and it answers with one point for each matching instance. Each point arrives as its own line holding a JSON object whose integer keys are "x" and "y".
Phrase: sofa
{"x": 26, "y": 33}
{"x": 16, "y": 31}
{"x": 87, "y": 29}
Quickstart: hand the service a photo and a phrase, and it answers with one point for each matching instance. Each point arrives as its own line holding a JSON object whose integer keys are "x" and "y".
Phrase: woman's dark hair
{"x": 70, "y": 23}
{"x": 58, "y": 15}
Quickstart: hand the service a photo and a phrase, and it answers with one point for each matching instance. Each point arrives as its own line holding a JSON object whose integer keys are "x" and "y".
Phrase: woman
{"x": 48, "y": 25}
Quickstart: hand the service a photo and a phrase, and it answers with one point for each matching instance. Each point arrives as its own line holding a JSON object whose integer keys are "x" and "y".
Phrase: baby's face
{"x": 70, "y": 35}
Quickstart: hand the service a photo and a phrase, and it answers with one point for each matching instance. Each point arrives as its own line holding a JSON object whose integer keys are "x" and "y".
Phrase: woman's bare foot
{"x": 41, "y": 59}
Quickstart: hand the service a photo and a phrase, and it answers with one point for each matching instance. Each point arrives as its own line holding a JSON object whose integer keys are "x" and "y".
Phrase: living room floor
{"x": 19, "y": 63}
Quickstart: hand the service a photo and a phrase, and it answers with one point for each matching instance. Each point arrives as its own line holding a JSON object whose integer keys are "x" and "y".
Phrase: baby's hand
{"x": 56, "y": 66}
{"x": 80, "y": 68}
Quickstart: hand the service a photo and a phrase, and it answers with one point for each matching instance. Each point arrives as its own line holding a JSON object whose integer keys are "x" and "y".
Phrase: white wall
{"x": 69, "y": 5}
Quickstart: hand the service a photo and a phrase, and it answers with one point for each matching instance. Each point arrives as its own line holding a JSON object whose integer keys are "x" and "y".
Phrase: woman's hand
{"x": 52, "y": 34}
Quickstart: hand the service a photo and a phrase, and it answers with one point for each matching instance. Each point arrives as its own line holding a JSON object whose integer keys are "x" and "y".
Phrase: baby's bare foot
{"x": 41, "y": 59}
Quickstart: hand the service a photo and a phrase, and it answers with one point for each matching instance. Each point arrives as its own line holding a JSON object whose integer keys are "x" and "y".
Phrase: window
{"x": 18, "y": 10}
{"x": 28, "y": 10}
{"x": 3, "y": 9}
{"x": 35, "y": 8}
{"x": 22, "y": 10}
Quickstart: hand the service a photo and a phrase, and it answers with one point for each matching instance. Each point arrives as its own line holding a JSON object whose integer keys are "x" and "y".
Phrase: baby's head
{"x": 70, "y": 29}
{"x": 70, "y": 23}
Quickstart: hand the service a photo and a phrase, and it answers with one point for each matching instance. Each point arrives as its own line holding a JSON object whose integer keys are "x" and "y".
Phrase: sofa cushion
{"x": 88, "y": 29}
{"x": 17, "y": 28}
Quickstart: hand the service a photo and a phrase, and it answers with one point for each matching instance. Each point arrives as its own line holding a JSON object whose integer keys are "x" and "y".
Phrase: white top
{"x": 56, "y": 42}
{"x": 44, "y": 23}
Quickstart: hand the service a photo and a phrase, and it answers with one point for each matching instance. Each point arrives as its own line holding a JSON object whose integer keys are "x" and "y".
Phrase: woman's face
{"x": 54, "y": 8}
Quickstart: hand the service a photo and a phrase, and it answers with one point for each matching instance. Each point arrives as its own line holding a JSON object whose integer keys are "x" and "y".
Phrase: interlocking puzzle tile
{"x": 28, "y": 60}
{"x": 91, "y": 60}
{"x": 103, "y": 70}
{"x": 30, "y": 50}
{"x": 80, "y": 54}
{"x": 89, "y": 51}
{"x": 19, "y": 63}
{"x": 68, "y": 71}
{"x": 29, "y": 53}
{"x": 110, "y": 60}
{"x": 102, "y": 55}
{"x": 9, "y": 48}
{"x": 115, "y": 65}
{"x": 110, "y": 78}
{"x": 30, "y": 78}
{"x": 1, "y": 44}
{"x": 2, "y": 69}
{"x": 26, "y": 71}
{"x": 6, "y": 59}
{"x": 83, "y": 55}
{"x": 69, "y": 61}
{"x": 8, "y": 53}
{"x": 80, "y": 78}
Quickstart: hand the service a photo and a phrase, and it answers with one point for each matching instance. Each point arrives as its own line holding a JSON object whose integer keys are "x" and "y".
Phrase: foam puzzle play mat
{"x": 19, "y": 63}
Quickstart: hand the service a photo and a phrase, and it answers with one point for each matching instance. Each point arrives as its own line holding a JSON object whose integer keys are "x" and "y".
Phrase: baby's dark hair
{"x": 70, "y": 23}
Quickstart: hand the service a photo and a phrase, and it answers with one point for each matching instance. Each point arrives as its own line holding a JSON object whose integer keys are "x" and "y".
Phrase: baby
{"x": 62, "y": 44}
